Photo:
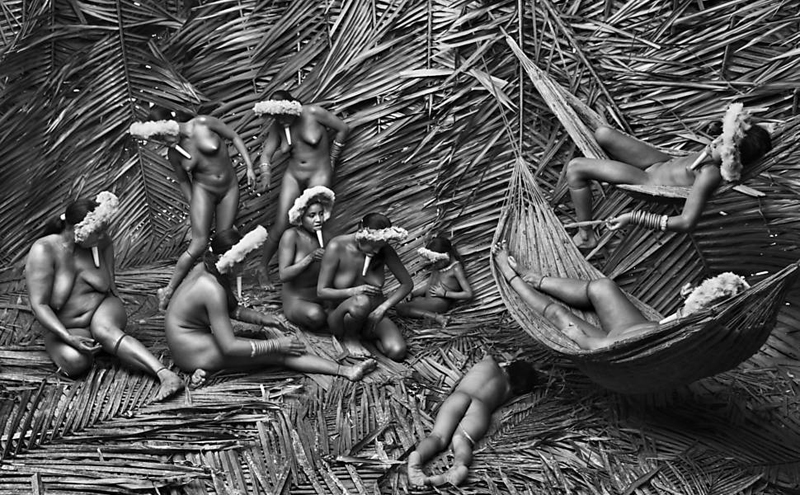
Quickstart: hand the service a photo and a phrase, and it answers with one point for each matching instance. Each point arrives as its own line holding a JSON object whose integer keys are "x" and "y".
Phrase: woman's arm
{"x": 226, "y": 131}
{"x": 287, "y": 248}
{"x": 327, "y": 272}
{"x": 271, "y": 144}
{"x": 249, "y": 315}
{"x": 399, "y": 271}
{"x": 704, "y": 186}
{"x": 331, "y": 121}
{"x": 465, "y": 294}
{"x": 184, "y": 181}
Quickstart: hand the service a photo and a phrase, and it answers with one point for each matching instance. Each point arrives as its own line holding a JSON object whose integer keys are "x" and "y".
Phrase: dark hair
{"x": 754, "y": 145}
{"x": 158, "y": 112}
{"x": 284, "y": 95}
{"x": 73, "y": 215}
{"x": 222, "y": 242}
{"x": 441, "y": 244}
{"x": 522, "y": 377}
{"x": 376, "y": 221}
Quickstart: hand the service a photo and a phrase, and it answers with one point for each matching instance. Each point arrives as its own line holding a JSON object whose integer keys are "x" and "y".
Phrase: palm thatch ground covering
{"x": 441, "y": 109}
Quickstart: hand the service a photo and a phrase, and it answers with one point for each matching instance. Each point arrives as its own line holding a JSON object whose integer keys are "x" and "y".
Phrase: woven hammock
{"x": 675, "y": 353}
{"x": 580, "y": 121}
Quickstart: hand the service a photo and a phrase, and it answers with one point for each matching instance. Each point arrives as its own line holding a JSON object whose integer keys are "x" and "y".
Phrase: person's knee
{"x": 578, "y": 172}
{"x": 556, "y": 312}
{"x": 197, "y": 247}
{"x": 596, "y": 289}
{"x": 395, "y": 350}
{"x": 316, "y": 318}
{"x": 360, "y": 306}
{"x": 605, "y": 135}
{"x": 73, "y": 363}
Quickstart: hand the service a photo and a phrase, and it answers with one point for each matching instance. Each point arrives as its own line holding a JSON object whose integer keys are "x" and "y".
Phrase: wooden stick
{"x": 585, "y": 223}
{"x": 183, "y": 152}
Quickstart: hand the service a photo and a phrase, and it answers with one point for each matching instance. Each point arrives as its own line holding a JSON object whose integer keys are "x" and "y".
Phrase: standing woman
{"x": 299, "y": 254}
{"x": 301, "y": 131}
{"x": 205, "y": 175}
{"x": 70, "y": 276}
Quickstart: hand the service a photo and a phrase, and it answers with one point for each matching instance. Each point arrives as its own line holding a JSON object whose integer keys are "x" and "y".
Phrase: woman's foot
{"x": 585, "y": 239}
{"x": 442, "y": 320}
{"x": 454, "y": 476}
{"x": 357, "y": 372}
{"x": 164, "y": 295}
{"x": 505, "y": 263}
{"x": 355, "y": 348}
{"x": 171, "y": 384}
{"x": 264, "y": 281}
{"x": 198, "y": 379}
{"x": 415, "y": 475}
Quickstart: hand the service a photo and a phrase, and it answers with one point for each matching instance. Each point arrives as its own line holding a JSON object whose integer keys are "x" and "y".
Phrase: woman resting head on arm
{"x": 447, "y": 283}
{"x": 302, "y": 132}
{"x": 300, "y": 251}
{"x": 741, "y": 144}
{"x": 352, "y": 276}
{"x": 199, "y": 329}
{"x": 73, "y": 295}
{"x": 205, "y": 175}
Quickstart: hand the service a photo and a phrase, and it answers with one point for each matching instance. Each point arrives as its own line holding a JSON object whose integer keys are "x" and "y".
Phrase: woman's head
{"x": 375, "y": 231}
{"x": 754, "y": 145}
{"x": 282, "y": 95}
{"x": 312, "y": 208}
{"x": 523, "y": 377}
{"x": 222, "y": 242}
{"x": 440, "y": 245}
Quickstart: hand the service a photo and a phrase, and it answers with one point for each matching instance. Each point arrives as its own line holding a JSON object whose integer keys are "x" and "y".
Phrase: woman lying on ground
{"x": 73, "y": 295}
{"x": 352, "y": 277}
{"x": 205, "y": 175}
{"x": 300, "y": 131}
{"x": 198, "y": 321}
{"x": 447, "y": 283}
{"x": 635, "y": 162}
{"x": 301, "y": 249}
{"x": 619, "y": 318}
{"x": 464, "y": 417}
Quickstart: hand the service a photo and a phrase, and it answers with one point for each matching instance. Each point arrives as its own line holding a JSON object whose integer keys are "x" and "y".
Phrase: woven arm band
{"x": 649, "y": 220}
{"x": 336, "y": 151}
{"x": 261, "y": 347}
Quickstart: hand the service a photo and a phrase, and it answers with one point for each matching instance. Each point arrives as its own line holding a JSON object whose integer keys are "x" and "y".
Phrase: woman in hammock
{"x": 636, "y": 162}
{"x": 205, "y": 176}
{"x": 198, "y": 321}
{"x": 300, "y": 131}
{"x": 70, "y": 277}
{"x": 447, "y": 283}
{"x": 299, "y": 254}
{"x": 619, "y": 318}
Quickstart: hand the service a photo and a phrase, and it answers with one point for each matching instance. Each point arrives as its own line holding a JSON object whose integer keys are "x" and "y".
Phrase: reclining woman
{"x": 447, "y": 283}
{"x": 300, "y": 251}
{"x": 199, "y": 329}
{"x": 619, "y": 317}
{"x": 464, "y": 417}
{"x": 301, "y": 132}
{"x": 73, "y": 294}
{"x": 635, "y": 162}
{"x": 352, "y": 276}
{"x": 205, "y": 175}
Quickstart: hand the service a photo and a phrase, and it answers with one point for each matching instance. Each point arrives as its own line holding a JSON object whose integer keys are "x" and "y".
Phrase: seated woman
{"x": 464, "y": 417}
{"x": 198, "y": 321}
{"x": 740, "y": 144}
{"x": 352, "y": 276}
{"x": 619, "y": 318}
{"x": 447, "y": 283}
{"x": 205, "y": 174}
{"x": 73, "y": 295}
{"x": 299, "y": 253}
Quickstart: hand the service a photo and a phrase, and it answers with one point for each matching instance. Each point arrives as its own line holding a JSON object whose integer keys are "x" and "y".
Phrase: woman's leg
{"x": 349, "y": 316}
{"x": 425, "y": 307}
{"x": 447, "y": 419}
{"x": 305, "y": 313}
{"x": 107, "y": 327}
{"x": 200, "y": 213}
{"x": 616, "y": 312}
{"x": 470, "y": 430}
{"x": 629, "y": 149}
{"x": 69, "y": 360}
{"x": 227, "y": 208}
{"x": 290, "y": 190}
{"x": 389, "y": 340}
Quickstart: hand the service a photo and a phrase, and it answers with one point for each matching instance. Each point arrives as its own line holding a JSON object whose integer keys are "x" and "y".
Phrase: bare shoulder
{"x": 41, "y": 250}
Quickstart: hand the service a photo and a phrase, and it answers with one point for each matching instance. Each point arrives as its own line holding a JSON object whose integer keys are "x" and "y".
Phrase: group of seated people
{"x": 330, "y": 282}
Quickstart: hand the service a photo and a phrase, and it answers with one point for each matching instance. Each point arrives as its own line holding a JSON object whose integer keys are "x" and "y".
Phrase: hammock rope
{"x": 675, "y": 353}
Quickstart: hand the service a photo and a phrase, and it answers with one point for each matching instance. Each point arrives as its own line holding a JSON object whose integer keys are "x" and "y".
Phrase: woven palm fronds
{"x": 675, "y": 353}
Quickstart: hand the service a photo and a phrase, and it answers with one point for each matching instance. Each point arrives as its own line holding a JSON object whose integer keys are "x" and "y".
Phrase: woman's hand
{"x": 375, "y": 317}
{"x": 437, "y": 291}
{"x": 316, "y": 255}
{"x": 291, "y": 346}
{"x": 251, "y": 178}
{"x": 367, "y": 290}
{"x": 84, "y": 345}
{"x": 619, "y": 222}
